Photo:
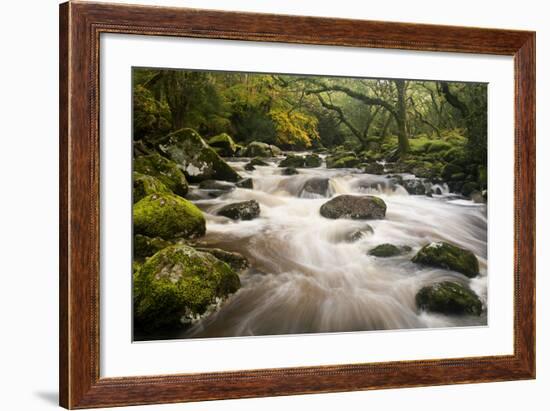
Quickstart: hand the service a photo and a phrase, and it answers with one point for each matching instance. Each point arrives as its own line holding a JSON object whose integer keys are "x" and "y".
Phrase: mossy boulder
{"x": 414, "y": 186}
{"x": 259, "y": 149}
{"x": 258, "y": 162}
{"x": 312, "y": 161}
{"x": 177, "y": 285}
{"x": 168, "y": 216}
{"x": 449, "y": 257}
{"x": 448, "y": 297}
{"x": 244, "y": 210}
{"x": 143, "y": 185}
{"x": 354, "y": 207}
{"x": 164, "y": 170}
{"x": 389, "y": 250}
{"x": 235, "y": 260}
{"x": 224, "y": 145}
{"x": 197, "y": 160}
{"x": 147, "y": 246}
{"x": 293, "y": 161}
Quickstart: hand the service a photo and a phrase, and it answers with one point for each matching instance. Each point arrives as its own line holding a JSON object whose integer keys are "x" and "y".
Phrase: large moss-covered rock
{"x": 312, "y": 161}
{"x": 177, "y": 285}
{"x": 164, "y": 170}
{"x": 168, "y": 216}
{"x": 389, "y": 250}
{"x": 448, "y": 256}
{"x": 147, "y": 246}
{"x": 197, "y": 160}
{"x": 259, "y": 149}
{"x": 449, "y": 298}
{"x": 373, "y": 168}
{"x": 355, "y": 207}
{"x": 289, "y": 171}
{"x": 224, "y": 145}
{"x": 145, "y": 185}
{"x": 244, "y": 210}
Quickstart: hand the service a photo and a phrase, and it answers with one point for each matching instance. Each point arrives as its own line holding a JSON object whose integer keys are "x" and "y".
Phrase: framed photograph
{"x": 259, "y": 205}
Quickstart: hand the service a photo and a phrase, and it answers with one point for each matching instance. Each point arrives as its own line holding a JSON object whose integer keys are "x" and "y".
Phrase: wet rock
{"x": 468, "y": 188}
{"x": 344, "y": 160}
{"x": 449, "y": 298}
{"x": 198, "y": 161}
{"x": 477, "y": 197}
{"x": 389, "y": 250}
{"x": 235, "y": 260}
{"x": 316, "y": 185}
{"x": 177, "y": 285}
{"x": 216, "y": 185}
{"x": 168, "y": 216}
{"x": 164, "y": 170}
{"x": 292, "y": 161}
{"x": 289, "y": 171}
{"x": 312, "y": 161}
{"x": 244, "y": 210}
{"x": 258, "y": 162}
{"x": 357, "y": 235}
{"x": 448, "y": 256}
{"x": 373, "y": 168}
{"x": 414, "y": 186}
{"x": 245, "y": 183}
{"x": 249, "y": 167}
{"x": 354, "y": 207}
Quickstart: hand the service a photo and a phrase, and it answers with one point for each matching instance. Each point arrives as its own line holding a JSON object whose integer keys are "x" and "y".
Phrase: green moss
{"x": 146, "y": 246}
{"x": 179, "y": 283}
{"x": 224, "y": 144}
{"x": 164, "y": 170}
{"x": 345, "y": 161}
{"x": 448, "y": 256}
{"x": 259, "y": 149}
{"x": 388, "y": 250}
{"x": 145, "y": 185}
{"x": 312, "y": 161}
{"x": 168, "y": 216}
{"x": 449, "y": 298}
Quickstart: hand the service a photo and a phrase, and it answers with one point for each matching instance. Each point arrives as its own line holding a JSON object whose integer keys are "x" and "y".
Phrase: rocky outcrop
{"x": 354, "y": 207}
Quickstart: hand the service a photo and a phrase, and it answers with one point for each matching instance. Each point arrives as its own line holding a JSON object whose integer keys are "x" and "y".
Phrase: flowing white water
{"x": 306, "y": 277}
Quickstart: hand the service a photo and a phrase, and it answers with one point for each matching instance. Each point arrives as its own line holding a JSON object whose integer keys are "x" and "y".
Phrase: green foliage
{"x": 294, "y": 129}
{"x": 151, "y": 117}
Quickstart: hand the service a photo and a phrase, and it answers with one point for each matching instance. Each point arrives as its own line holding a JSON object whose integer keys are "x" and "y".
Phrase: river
{"x": 307, "y": 277}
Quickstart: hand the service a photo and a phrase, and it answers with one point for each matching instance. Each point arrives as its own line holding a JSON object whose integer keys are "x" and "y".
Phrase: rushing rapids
{"x": 305, "y": 274}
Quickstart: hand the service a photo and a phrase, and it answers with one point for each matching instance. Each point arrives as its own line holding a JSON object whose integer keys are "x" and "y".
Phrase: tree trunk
{"x": 401, "y": 118}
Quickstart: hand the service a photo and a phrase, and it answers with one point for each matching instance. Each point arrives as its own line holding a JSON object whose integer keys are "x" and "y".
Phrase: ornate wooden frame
{"x": 80, "y": 27}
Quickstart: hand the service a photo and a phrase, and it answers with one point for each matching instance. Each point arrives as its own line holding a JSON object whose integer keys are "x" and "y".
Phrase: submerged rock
{"x": 177, "y": 285}
{"x": 357, "y": 235}
{"x": 245, "y": 183}
{"x": 289, "y": 171}
{"x": 216, "y": 185}
{"x": 355, "y": 207}
{"x": 448, "y": 256}
{"x": 414, "y": 186}
{"x": 245, "y": 210}
{"x": 168, "y": 216}
{"x": 224, "y": 145}
{"x": 198, "y": 160}
{"x": 449, "y": 298}
{"x": 235, "y": 260}
{"x": 316, "y": 185}
{"x": 143, "y": 185}
{"x": 164, "y": 170}
{"x": 389, "y": 250}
